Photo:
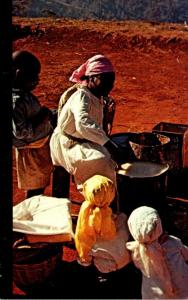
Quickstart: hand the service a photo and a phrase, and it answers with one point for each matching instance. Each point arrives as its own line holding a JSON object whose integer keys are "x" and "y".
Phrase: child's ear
{"x": 18, "y": 73}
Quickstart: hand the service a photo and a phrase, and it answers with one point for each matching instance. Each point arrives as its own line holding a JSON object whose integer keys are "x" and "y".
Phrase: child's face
{"x": 26, "y": 80}
{"x": 31, "y": 81}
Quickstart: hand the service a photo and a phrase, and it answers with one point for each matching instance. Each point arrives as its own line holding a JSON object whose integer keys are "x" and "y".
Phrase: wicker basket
{"x": 34, "y": 264}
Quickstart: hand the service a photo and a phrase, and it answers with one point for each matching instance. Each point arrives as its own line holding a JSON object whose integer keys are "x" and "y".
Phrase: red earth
{"x": 150, "y": 59}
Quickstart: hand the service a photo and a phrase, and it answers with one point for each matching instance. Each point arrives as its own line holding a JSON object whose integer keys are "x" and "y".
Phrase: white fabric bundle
{"x": 43, "y": 215}
{"x": 112, "y": 255}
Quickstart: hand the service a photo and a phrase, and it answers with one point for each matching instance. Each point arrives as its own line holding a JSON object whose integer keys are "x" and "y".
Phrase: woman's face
{"x": 102, "y": 84}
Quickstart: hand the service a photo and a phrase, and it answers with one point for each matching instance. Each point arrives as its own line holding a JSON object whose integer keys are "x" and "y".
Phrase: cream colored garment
{"x": 145, "y": 227}
{"x": 112, "y": 255}
{"x": 82, "y": 117}
{"x": 65, "y": 96}
{"x": 43, "y": 215}
{"x": 95, "y": 217}
{"x": 34, "y": 165}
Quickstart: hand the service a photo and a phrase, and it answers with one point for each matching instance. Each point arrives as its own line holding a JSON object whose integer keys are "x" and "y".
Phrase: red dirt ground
{"x": 150, "y": 59}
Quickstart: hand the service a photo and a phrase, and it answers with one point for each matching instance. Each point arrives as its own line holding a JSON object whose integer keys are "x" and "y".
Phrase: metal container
{"x": 142, "y": 183}
{"x": 176, "y": 221}
{"x": 148, "y": 146}
{"x": 177, "y": 157}
{"x": 177, "y": 154}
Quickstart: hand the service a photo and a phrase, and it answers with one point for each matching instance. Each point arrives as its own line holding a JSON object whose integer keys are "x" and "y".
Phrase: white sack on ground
{"x": 43, "y": 215}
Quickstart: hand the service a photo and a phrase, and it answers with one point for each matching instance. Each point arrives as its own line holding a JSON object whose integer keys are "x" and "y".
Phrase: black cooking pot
{"x": 142, "y": 146}
{"x": 148, "y": 146}
{"x": 141, "y": 183}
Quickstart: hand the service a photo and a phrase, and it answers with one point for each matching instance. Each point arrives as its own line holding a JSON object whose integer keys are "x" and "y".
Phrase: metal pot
{"x": 142, "y": 146}
{"x": 141, "y": 183}
{"x": 148, "y": 146}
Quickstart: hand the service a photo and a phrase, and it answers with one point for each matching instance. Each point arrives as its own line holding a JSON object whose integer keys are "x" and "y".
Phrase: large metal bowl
{"x": 142, "y": 169}
{"x": 142, "y": 146}
{"x": 148, "y": 146}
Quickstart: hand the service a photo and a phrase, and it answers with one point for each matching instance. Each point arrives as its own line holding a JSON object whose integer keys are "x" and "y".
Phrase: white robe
{"x": 82, "y": 117}
{"x": 176, "y": 255}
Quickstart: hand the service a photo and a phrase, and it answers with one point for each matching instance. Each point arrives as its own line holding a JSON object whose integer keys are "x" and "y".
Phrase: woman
{"x": 79, "y": 143}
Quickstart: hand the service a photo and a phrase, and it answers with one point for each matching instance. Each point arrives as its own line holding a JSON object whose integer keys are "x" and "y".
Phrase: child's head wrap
{"x": 145, "y": 227}
{"x": 95, "y": 216}
{"x": 145, "y": 224}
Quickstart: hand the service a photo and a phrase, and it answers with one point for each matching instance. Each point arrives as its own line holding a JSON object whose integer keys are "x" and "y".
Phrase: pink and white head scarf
{"x": 97, "y": 64}
{"x": 145, "y": 227}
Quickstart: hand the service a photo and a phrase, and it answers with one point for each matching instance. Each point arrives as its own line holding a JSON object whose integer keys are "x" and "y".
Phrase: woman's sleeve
{"x": 184, "y": 251}
{"x": 85, "y": 125}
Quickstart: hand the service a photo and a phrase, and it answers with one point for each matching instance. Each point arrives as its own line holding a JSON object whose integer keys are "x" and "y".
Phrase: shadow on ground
{"x": 73, "y": 281}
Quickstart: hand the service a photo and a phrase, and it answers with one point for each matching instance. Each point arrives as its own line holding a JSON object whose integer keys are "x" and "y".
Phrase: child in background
{"x": 100, "y": 234}
{"x": 160, "y": 257}
{"x": 95, "y": 216}
{"x": 32, "y": 126}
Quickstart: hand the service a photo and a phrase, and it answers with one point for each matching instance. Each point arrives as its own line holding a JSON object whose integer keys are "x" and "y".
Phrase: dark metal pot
{"x": 141, "y": 183}
{"x": 142, "y": 146}
{"x": 148, "y": 146}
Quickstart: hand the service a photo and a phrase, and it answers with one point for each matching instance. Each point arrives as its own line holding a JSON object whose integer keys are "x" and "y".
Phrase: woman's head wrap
{"x": 97, "y": 64}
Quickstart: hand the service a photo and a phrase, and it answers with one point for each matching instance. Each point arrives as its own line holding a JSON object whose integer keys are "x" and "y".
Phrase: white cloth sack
{"x": 43, "y": 215}
{"x": 112, "y": 255}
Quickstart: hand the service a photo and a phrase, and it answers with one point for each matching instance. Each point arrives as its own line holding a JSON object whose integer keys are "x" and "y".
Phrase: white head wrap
{"x": 145, "y": 227}
{"x": 145, "y": 224}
